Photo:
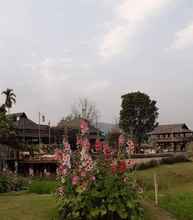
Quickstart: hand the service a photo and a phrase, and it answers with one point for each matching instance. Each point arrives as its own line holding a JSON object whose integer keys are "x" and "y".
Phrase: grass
{"x": 175, "y": 188}
{"x": 175, "y": 196}
{"x": 43, "y": 186}
{"x": 155, "y": 213}
{"x": 26, "y": 206}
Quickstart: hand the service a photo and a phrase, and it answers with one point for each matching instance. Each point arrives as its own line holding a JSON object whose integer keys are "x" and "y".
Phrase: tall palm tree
{"x": 10, "y": 98}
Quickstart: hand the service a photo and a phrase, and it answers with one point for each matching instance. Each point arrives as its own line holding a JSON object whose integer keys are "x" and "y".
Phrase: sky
{"x": 54, "y": 52}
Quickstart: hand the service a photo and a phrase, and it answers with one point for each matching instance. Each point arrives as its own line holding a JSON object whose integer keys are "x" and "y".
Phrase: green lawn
{"x": 175, "y": 188}
{"x": 175, "y": 196}
{"x": 26, "y": 206}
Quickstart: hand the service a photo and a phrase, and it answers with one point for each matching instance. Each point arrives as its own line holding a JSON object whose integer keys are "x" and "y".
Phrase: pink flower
{"x": 114, "y": 167}
{"x": 75, "y": 180}
{"x": 98, "y": 145}
{"x": 93, "y": 178}
{"x": 67, "y": 146}
{"x": 121, "y": 139}
{"x": 62, "y": 171}
{"x": 130, "y": 163}
{"x": 107, "y": 151}
{"x": 86, "y": 144}
{"x": 78, "y": 141}
{"x": 82, "y": 173}
{"x": 122, "y": 166}
{"x": 58, "y": 154}
{"x": 60, "y": 191}
{"x": 84, "y": 126}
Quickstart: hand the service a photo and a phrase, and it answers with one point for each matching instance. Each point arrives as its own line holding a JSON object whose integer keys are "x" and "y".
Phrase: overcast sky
{"x": 53, "y": 52}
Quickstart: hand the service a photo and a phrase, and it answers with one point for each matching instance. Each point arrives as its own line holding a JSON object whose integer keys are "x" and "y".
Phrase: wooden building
{"x": 72, "y": 129}
{"x": 29, "y": 132}
{"x": 172, "y": 137}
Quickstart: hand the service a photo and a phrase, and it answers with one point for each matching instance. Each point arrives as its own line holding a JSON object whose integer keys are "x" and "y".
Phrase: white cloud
{"x": 183, "y": 38}
{"x": 129, "y": 17}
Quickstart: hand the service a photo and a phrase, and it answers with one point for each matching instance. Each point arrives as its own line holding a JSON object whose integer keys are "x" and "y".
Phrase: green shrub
{"x": 174, "y": 159}
{"x": 165, "y": 160}
{"x": 42, "y": 186}
{"x": 107, "y": 198}
{"x": 4, "y": 184}
{"x": 11, "y": 182}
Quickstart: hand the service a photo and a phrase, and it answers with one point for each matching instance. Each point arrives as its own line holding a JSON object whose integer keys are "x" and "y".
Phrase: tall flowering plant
{"x": 98, "y": 186}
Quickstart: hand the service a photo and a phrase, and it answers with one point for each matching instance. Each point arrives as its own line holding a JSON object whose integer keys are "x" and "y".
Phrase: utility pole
{"x": 39, "y": 135}
{"x": 49, "y": 133}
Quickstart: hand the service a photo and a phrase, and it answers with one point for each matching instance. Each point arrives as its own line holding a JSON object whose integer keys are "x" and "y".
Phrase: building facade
{"x": 172, "y": 137}
{"x": 29, "y": 132}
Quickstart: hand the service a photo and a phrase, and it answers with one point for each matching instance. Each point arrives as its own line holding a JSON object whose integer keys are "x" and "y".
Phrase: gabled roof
{"x": 171, "y": 128}
{"x": 24, "y": 122}
{"x": 15, "y": 115}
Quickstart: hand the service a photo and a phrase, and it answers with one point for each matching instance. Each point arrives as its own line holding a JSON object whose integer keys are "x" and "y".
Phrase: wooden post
{"x": 155, "y": 188}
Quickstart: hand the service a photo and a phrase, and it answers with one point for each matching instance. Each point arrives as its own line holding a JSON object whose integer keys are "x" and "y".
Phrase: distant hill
{"x": 106, "y": 127}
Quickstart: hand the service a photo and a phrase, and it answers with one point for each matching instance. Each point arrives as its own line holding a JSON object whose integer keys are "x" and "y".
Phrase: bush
{"x": 100, "y": 188}
{"x": 164, "y": 160}
{"x": 42, "y": 186}
{"x": 174, "y": 159}
{"x": 10, "y": 182}
{"x": 4, "y": 184}
{"x": 107, "y": 198}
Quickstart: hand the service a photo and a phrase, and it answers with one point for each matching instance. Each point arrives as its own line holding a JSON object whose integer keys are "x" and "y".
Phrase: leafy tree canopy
{"x": 138, "y": 115}
{"x": 10, "y": 98}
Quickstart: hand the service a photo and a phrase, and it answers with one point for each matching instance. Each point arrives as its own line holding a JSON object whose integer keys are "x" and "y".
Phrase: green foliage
{"x": 107, "y": 198}
{"x": 12, "y": 183}
{"x": 138, "y": 115}
{"x": 165, "y": 160}
{"x": 99, "y": 188}
{"x": 42, "y": 186}
{"x": 10, "y": 98}
{"x": 7, "y": 131}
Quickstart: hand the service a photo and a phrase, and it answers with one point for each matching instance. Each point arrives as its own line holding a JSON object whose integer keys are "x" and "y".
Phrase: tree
{"x": 138, "y": 115}
{"x": 7, "y": 131}
{"x": 85, "y": 109}
{"x": 3, "y": 109}
{"x": 10, "y": 98}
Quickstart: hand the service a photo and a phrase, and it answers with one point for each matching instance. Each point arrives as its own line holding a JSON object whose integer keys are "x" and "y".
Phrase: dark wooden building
{"x": 172, "y": 137}
{"x": 72, "y": 129}
{"x": 29, "y": 132}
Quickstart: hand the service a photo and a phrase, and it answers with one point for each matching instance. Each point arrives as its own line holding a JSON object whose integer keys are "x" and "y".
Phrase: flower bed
{"x": 103, "y": 188}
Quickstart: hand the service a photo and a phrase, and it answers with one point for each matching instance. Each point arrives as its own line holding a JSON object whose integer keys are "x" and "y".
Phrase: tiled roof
{"x": 171, "y": 128}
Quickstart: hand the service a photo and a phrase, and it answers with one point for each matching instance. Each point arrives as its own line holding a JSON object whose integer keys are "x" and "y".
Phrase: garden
{"x": 99, "y": 183}
{"x": 175, "y": 196}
